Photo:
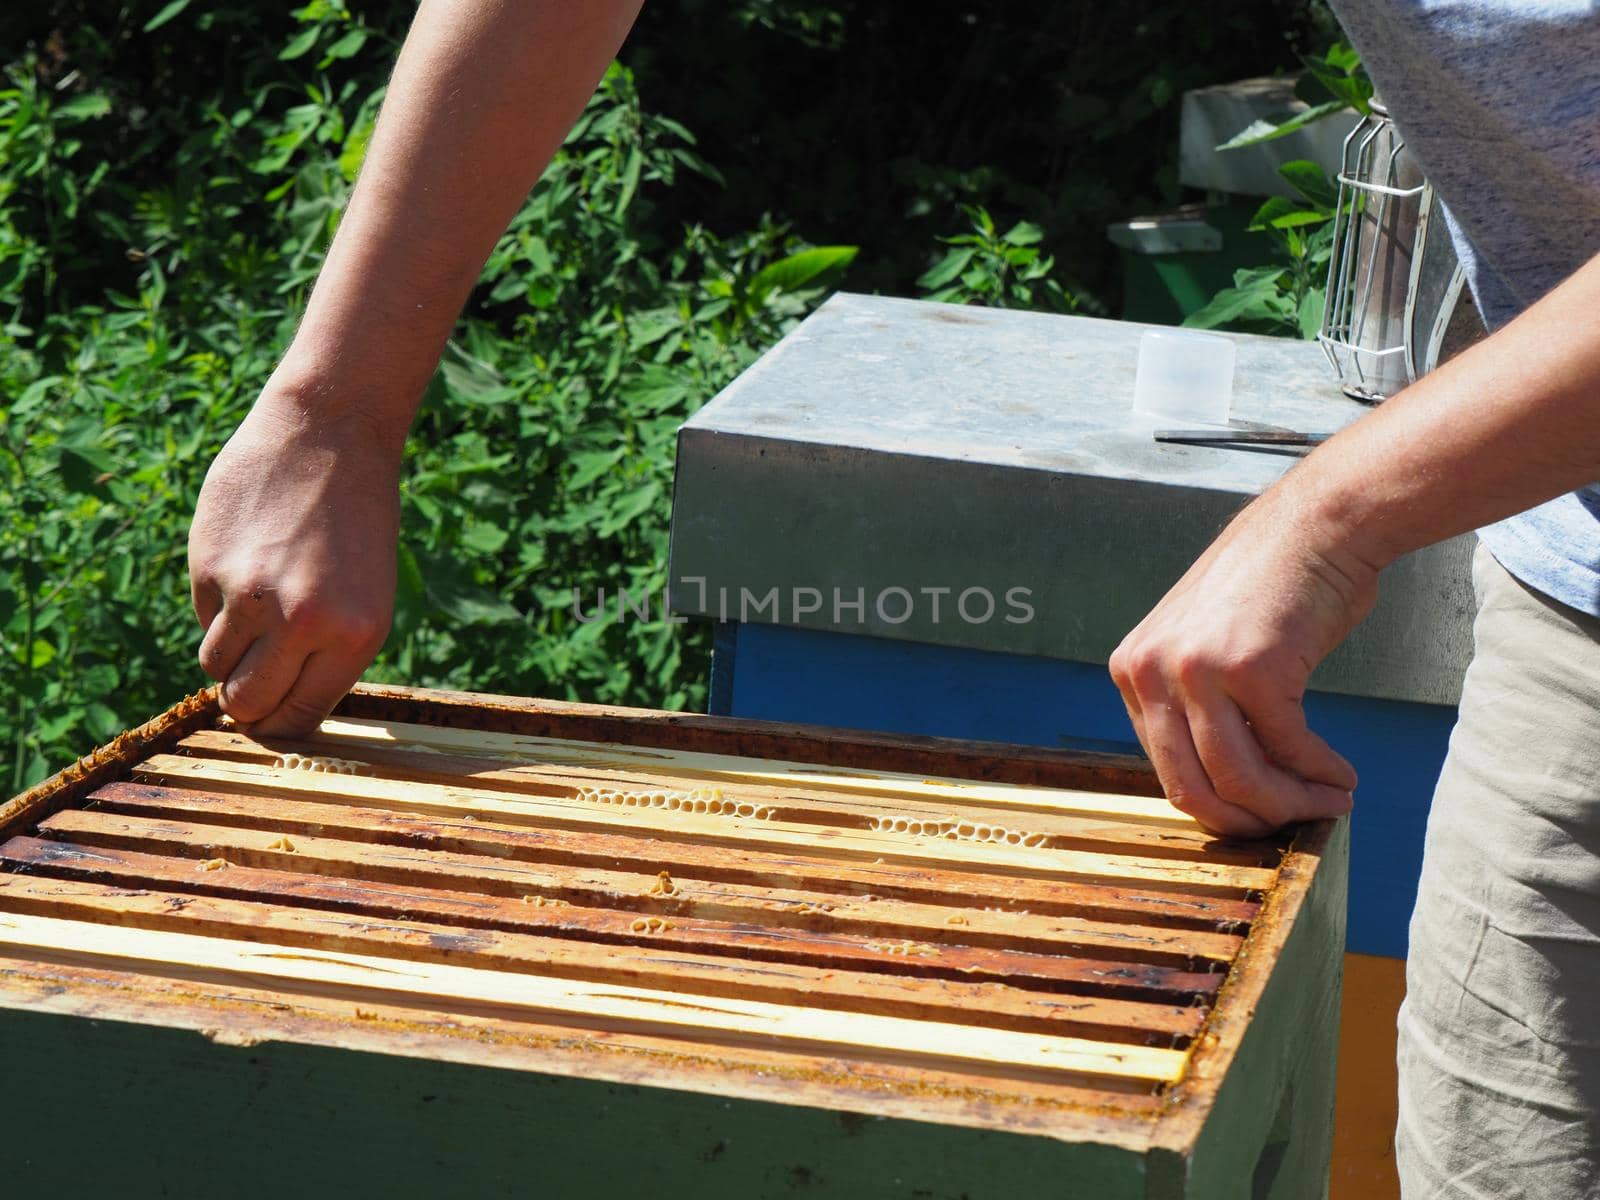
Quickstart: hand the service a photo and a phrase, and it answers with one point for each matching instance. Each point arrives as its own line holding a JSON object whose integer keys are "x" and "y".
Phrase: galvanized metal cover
{"x": 976, "y": 477}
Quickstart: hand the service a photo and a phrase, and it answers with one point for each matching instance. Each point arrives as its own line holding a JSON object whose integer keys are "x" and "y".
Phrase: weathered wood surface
{"x": 645, "y": 966}
{"x": 646, "y": 891}
{"x": 1050, "y": 975}
{"x": 474, "y": 835}
{"x": 576, "y": 1000}
{"x": 774, "y": 832}
{"x": 1065, "y": 820}
{"x": 912, "y": 754}
{"x": 1031, "y": 926}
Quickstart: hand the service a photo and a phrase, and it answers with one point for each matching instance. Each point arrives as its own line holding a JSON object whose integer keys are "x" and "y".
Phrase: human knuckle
{"x": 1143, "y": 668}
{"x": 1325, "y": 800}
{"x": 1235, "y": 821}
{"x": 367, "y": 630}
{"x": 308, "y": 615}
{"x": 1280, "y": 726}
{"x": 204, "y": 565}
{"x": 1192, "y": 665}
{"x": 1271, "y": 810}
{"x": 245, "y": 701}
{"x": 302, "y": 711}
{"x": 1234, "y": 783}
{"x": 211, "y": 661}
{"x": 1236, "y": 826}
{"x": 1187, "y": 795}
{"x": 1247, "y": 668}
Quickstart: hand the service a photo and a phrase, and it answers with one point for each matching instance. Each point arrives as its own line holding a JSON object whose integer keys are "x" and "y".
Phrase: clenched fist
{"x": 292, "y": 561}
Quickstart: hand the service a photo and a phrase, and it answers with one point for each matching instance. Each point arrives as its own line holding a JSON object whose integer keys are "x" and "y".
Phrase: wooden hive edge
{"x": 239, "y": 1015}
{"x": 998, "y": 762}
{"x": 1191, "y": 1100}
{"x": 228, "y": 1015}
{"x": 111, "y": 761}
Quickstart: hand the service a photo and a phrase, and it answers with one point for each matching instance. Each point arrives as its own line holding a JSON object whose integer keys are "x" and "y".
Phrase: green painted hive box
{"x": 459, "y": 945}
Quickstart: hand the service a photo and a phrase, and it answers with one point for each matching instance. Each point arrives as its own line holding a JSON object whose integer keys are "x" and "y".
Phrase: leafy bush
{"x": 999, "y": 270}
{"x": 1287, "y": 297}
{"x": 542, "y": 457}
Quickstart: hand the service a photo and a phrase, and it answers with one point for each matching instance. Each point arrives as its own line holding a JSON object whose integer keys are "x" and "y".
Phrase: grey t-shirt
{"x": 1500, "y": 102}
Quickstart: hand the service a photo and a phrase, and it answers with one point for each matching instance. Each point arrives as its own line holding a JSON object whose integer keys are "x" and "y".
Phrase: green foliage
{"x": 1333, "y": 82}
{"x": 144, "y": 306}
{"x": 874, "y": 123}
{"x": 542, "y": 460}
{"x": 1288, "y": 297}
{"x": 1001, "y": 270}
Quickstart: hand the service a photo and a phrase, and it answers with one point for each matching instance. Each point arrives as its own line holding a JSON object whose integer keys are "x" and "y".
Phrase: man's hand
{"x": 1213, "y": 677}
{"x": 292, "y": 550}
{"x": 292, "y": 563}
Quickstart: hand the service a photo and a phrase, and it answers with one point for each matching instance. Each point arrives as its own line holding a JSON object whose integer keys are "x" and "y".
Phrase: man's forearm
{"x": 1508, "y": 424}
{"x": 482, "y": 95}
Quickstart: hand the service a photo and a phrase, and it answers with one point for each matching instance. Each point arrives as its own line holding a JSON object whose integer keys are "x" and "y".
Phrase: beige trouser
{"x": 1500, "y": 1030}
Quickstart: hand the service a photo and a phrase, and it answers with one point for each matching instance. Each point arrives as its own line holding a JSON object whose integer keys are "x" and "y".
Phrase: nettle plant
{"x": 1000, "y": 270}
{"x": 542, "y": 460}
{"x": 1288, "y": 296}
{"x": 153, "y": 258}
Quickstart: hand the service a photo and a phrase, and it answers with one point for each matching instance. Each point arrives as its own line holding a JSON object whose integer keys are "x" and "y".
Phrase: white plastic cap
{"x": 1184, "y": 374}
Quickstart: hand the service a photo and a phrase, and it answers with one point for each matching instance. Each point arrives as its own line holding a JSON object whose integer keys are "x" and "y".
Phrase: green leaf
{"x": 43, "y": 654}
{"x": 1255, "y": 296}
{"x": 591, "y": 465}
{"x": 474, "y": 384}
{"x": 1301, "y": 218}
{"x": 302, "y": 42}
{"x": 36, "y": 771}
{"x": 1024, "y": 233}
{"x": 947, "y": 269}
{"x": 1311, "y": 181}
{"x": 1310, "y": 312}
{"x": 355, "y": 151}
{"x": 347, "y": 46}
{"x": 1258, "y": 277}
{"x": 468, "y": 604}
{"x": 1279, "y": 212}
{"x": 484, "y": 538}
{"x": 166, "y": 14}
{"x": 410, "y": 599}
{"x": 1343, "y": 56}
{"x": 649, "y": 327}
{"x": 88, "y": 107}
{"x": 101, "y": 721}
{"x": 656, "y": 388}
{"x": 1343, "y": 80}
{"x": 98, "y": 680}
{"x": 1271, "y": 209}
{"x": 630, "y": 180}
{"x": 794, "y": 272}
{"x": 639, "y": 502}
{"x": 54, "y": 728}
{"x": 1260, "y": 131}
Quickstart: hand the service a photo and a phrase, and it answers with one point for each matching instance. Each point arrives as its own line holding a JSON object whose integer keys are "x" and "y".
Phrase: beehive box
{"x": 471, "y": 945}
